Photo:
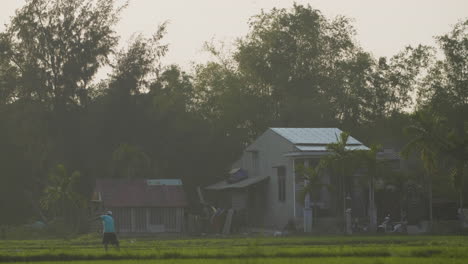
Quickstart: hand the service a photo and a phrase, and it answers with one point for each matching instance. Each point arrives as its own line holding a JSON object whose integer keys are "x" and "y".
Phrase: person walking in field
{"x": 109, "y": 236}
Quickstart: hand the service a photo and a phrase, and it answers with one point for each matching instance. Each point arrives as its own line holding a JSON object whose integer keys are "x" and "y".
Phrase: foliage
{"x": 299, "y": 60}
{"x": 447, "y": 78}
{"x": 394, "y": 82}
{"x": 294, "y": 68}
{"x": 58, "y": 46}
{"x": 134, "y": 66}
{"x": 440, "y": 144}
{"x": 313, "y": 182}
{"x": 130, "y": 162}
{"x": 61, "y": 198}
{"x": 343, "y": 162}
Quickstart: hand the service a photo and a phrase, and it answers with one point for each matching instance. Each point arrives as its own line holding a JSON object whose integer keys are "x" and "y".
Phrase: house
{"x": 142, "y": 205}
{"x": 268, "y": 191}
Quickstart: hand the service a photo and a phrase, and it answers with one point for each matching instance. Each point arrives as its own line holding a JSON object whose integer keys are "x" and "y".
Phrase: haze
{"x": 383, "y": 27}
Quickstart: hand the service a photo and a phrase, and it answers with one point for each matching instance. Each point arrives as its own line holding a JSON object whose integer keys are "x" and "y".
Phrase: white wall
{"x": 271, "y": 150}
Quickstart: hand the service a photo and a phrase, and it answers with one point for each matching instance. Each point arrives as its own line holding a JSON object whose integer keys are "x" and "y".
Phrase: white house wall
{"x": 271, "y": 150}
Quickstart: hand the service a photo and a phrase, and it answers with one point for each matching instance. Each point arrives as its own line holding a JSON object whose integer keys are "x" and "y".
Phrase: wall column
{"x": 307, "y": 208}
{"x": 148, "y": 229}
{"x": 132, "y": 219}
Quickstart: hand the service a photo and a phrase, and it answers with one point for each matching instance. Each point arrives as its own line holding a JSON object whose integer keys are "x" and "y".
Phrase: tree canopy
{"x": 294, "y": 68}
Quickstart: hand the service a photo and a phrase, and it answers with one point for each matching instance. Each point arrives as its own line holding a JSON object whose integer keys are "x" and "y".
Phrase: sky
{"x": 383, "y": 27}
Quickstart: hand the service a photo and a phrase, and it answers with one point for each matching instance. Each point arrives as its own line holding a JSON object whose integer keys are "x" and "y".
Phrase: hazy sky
{"x": 383, "y": 26}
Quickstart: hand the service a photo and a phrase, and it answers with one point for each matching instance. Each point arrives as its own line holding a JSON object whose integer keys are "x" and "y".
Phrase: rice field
{"x": 328, "y": 249}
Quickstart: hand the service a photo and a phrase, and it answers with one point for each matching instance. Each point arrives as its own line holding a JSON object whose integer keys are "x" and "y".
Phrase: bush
{"x": 23, "y": 232}
{"x": 59, "y": 229}
{"x": 448, "y": 227}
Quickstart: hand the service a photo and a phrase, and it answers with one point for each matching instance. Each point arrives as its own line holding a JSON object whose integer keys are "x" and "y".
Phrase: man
{"x": 109, "y": 236}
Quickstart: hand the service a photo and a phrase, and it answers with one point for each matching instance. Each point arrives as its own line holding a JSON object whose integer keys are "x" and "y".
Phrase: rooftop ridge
{"x": 319, "y": 136}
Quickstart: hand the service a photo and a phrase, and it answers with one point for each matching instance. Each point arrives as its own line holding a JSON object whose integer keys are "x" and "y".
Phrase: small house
{"x": 142, "y": 205}
{"x": 263, "y": 183}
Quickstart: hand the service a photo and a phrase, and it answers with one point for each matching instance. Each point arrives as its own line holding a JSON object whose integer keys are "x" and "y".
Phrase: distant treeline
{"x": 61, "y": 128}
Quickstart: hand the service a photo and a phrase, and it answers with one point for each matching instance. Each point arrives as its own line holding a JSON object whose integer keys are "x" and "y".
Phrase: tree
{"x": 445, "y": 84}
{"x": 130, "y": 162}
{"x": 224, "y": 99}
{"x": 371, "y": 163}
{"x": 443, "y": 95}
{"x": 58, "y": 46}
{"x": 136, "y": 65}
{"x": 9, "y": 74}
{"x": 343, "y": 161}
{"x": 393, "y": 82}
{"x": 125, "y": 106}
{"x": 307, "y": 70}
{"x": 61, "y": 197}
{"x": 26, "y": 149}
{"x": 441, "y": 144}
{"x": 457, "y": 149}
{"x": 428, "y": 140}
{"x": 50, "y": 51}
{"x": 313, "y": 185}
{"x": 297, "y": 58}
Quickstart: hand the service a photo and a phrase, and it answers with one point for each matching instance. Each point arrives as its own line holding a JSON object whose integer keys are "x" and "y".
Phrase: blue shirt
{"x": 108, "y": 223}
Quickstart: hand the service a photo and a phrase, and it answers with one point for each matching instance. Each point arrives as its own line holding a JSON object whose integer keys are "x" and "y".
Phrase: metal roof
{"x": 324, "y": 148}
{"x": 222, "y": 185}
{"x": 168, "y": 182}
{"x": 319, "y": 136}
{"x": 140, "y": 193}
{"x": 306, "y": 154}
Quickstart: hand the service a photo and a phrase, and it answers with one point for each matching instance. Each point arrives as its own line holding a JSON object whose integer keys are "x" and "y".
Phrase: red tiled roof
{"x": 137, "y": 193}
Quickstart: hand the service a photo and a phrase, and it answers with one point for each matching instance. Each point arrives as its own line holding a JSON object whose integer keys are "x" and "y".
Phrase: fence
{"x": 148, "y": 220}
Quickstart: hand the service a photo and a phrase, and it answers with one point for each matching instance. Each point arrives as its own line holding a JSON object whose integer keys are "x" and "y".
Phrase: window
{"x": 281, "y": 171}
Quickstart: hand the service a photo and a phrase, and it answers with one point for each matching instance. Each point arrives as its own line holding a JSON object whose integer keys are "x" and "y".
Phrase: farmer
{"x": 109, "y": 236}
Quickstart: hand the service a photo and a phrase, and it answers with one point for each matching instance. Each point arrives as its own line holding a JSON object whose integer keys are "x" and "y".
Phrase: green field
{"x": 329, "y": 249}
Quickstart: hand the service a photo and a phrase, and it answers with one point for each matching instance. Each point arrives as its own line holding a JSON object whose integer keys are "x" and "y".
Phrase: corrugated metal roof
{"x": 324, "y": 148}
{"x": 168, "y": 182}
{"x": 138, "y": 193}
{"x": 321, "y": 136}
{"x": 306, "y": 154}
{"x": 222, "y": 185}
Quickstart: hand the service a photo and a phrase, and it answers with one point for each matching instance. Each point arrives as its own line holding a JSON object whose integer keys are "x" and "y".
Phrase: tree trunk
{"x": 342, "y": 211}
{"x": 429, "y": 176}
{"x": 307, "y": 213}
{"x": 372, "y": 211}
{"x": 462, "y": 187}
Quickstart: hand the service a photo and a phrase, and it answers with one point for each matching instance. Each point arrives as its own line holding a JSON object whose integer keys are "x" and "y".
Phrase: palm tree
{"x": 344, "y": 162}
{"x": 371, "y": 163}
{"x": 312, "y": 185}
{"x": 429, "y": 142}
{"x": 457, "y": 149}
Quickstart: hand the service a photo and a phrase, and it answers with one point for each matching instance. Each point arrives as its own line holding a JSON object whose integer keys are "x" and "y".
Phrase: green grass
{"x": 329, "y": 249}
{"x": 350, "y": 260}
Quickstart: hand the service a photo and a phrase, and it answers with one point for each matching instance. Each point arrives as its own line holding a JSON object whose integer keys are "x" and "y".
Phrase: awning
{"x": 324, "y": 148}
{"x": 222, "y": 185}
{"x": 316, "y": 150}
{"x": 307, "y": 154}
